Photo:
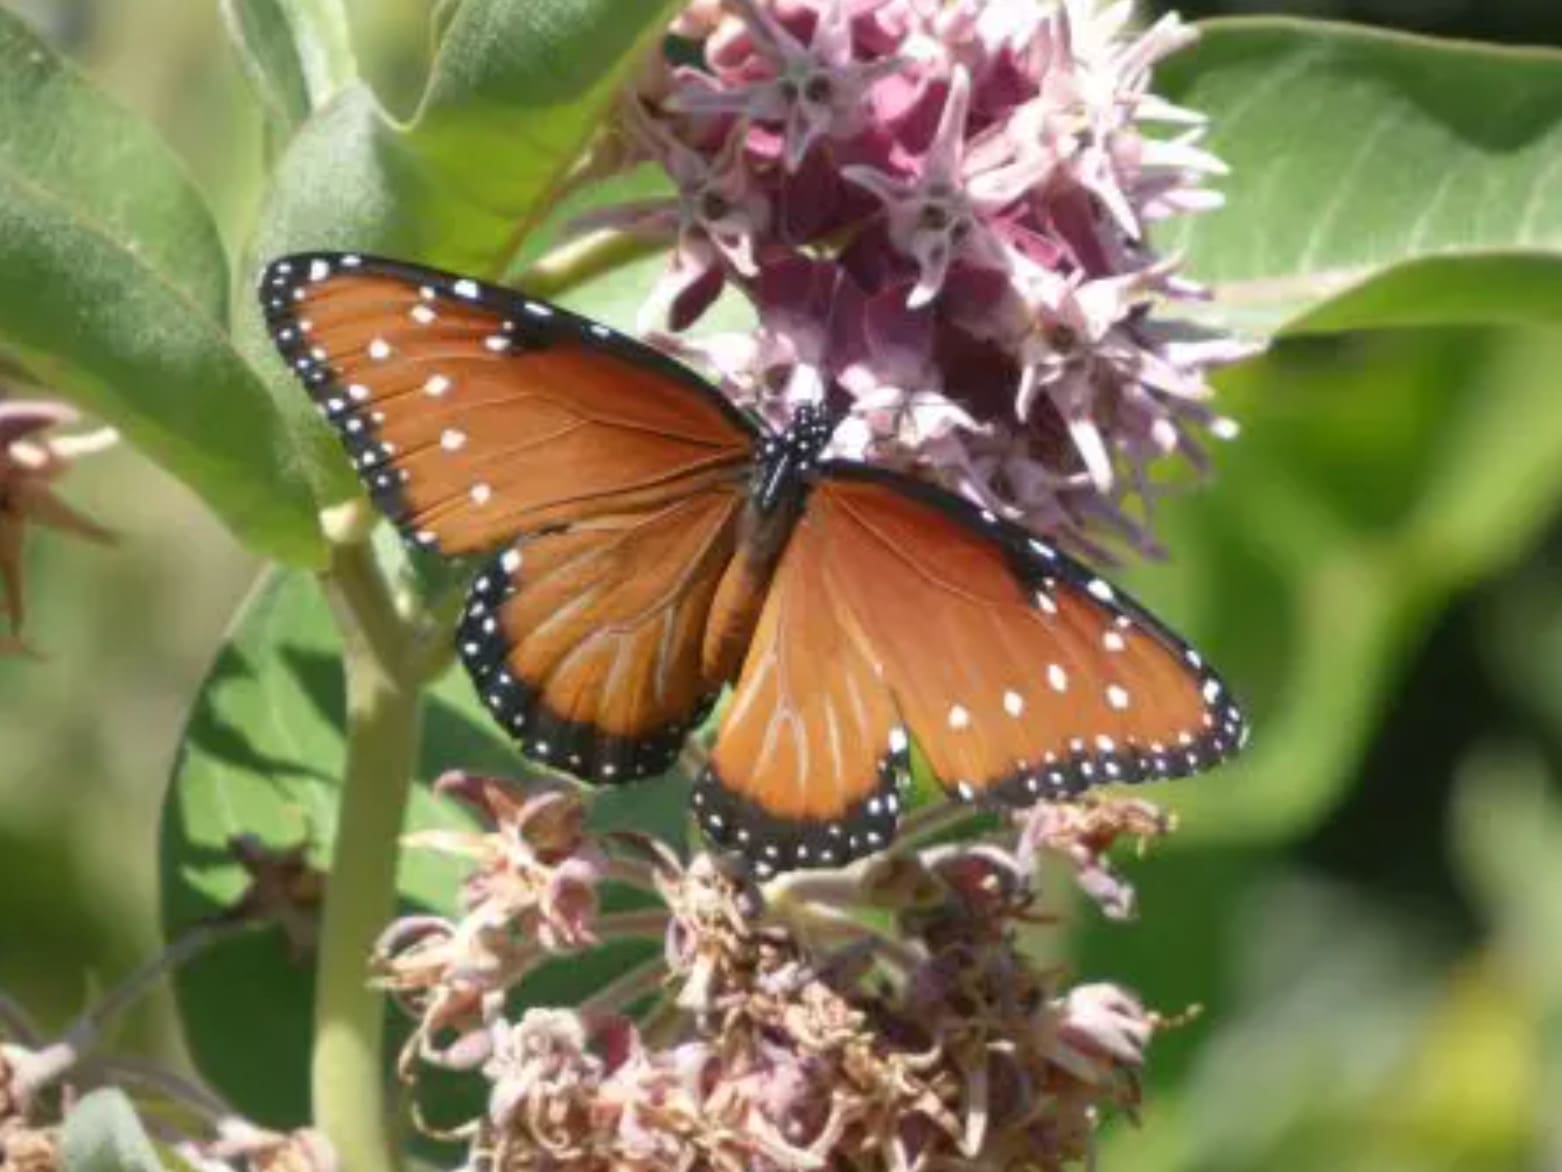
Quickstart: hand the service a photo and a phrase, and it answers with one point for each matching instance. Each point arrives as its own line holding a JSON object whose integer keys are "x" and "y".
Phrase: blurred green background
{"x": 1371, "y": 913}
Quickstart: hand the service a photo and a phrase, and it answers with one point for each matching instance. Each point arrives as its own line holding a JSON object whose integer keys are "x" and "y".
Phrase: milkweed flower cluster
{"x": 940, "y": 211}
{"x": 780, "y": 1030}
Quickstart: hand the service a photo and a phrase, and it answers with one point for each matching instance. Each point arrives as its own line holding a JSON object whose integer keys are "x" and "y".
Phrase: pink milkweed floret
{"x": 939, "y": 210}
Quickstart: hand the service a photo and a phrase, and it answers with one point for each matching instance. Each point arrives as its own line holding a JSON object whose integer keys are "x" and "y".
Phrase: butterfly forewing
{"x": 473, "y": 414}
{"x": 1020, "y": 673}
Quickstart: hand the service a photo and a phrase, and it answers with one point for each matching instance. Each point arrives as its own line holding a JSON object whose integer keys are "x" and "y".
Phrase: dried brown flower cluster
{"x": 26, "y": 1145}
{"x": 887, "y": 1016}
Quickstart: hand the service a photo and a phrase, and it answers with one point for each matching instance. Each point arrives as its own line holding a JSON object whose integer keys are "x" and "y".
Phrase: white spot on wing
{"x": 422, "y": 314}
{"x": 958, "y": 717}
{"x": 1057, "y": 677}
{"x": 1099, "y": 589}
{"x": 1013, "y": 703}
{"x": 1112, "y": 641}
{"x": 436, "y": 386}
{"x": 379, "y": 349}
{"x": 481, "y": 493}
{"x": 452, "y": 440}
{"x": 1117, "y": 696}
{"x": 466, "y": 287}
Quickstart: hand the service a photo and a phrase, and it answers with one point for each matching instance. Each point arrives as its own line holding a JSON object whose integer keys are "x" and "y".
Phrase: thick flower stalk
{"x": 940, "y": 211}
{"x": 793, "y": 1032}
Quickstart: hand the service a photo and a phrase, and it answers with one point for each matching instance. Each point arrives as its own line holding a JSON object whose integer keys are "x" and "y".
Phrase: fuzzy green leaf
{"x": 113, "y": 291}
{"x": 1376, "y": 178}
{"x": 296, "y": 53}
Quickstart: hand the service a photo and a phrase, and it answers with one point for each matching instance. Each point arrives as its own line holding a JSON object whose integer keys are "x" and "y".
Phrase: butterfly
{"x": 648, "y": 544}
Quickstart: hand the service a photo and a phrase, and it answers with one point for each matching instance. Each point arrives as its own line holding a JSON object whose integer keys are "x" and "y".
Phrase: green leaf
{"x": 1376, "y": 178}
{"x": 297, "y": 55}
{"x": 108, "y": 168}
{"x": 263, "y": 755}
{"x": 113, "y": 291}
{"x": 516, "y": 91}
{"x": 103, "y": 1134}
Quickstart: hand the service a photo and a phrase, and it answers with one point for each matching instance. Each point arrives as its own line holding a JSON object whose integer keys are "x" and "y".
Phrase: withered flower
{"x": 797, "y": 1031}
{"x": 30, "y": 465}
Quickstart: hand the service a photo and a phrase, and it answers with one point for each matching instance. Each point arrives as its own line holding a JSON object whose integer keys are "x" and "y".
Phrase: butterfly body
{"x": 784, "y": 465}
{"x": 648, "y": 545}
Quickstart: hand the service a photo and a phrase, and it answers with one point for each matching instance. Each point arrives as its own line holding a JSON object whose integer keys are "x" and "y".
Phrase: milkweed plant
{"x": 948, "y": 218}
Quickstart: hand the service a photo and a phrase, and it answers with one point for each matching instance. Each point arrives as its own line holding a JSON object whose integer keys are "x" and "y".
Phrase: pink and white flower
{"x": 995, "y": 165}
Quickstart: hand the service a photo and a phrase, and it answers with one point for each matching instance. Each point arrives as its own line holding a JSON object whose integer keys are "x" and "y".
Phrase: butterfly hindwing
{"x": 473, "y": 413}
{"x": 586, "y": 643}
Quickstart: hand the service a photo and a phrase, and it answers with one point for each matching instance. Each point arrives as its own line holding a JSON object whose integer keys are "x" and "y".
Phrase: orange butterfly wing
{"x": 1020, "y": 672}
{"x": 586, "y": 643}
{"x": 1017, "y": 671}
{"x": 473, "y": 413}
{"x": 610, "y": 477}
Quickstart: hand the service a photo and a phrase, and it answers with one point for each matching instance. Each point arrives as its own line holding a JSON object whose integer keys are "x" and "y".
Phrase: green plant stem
{"x": 557, "y": 272}
{"x": 348, "y": 1071}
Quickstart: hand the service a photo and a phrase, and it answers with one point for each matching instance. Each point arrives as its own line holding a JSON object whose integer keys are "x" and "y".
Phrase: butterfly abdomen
{"x": 735, "y": 611}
